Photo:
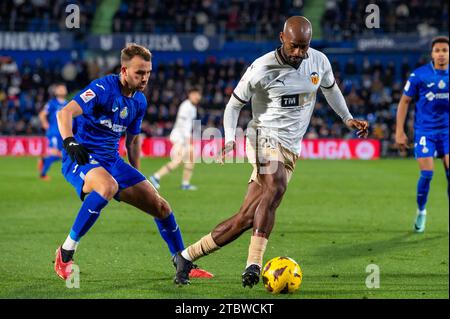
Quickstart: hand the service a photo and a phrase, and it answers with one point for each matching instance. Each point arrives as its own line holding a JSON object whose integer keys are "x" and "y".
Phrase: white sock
{"x": 156, "y": 175}
{"x": 185, "y": 255}
{"x": 70, "y": 244}
{"x": 185, "y": 183}
{"x": 421, "y": 212}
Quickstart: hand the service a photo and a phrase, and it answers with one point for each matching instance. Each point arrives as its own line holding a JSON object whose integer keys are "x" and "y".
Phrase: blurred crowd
{"x": 372, "y": 88}
{"x": 236, "y": 18}
{"x": 242, "y": 19}
{"x": 44, "y": 15}
{"x": 345, "y": 19}
{"x": 372, "y": 92}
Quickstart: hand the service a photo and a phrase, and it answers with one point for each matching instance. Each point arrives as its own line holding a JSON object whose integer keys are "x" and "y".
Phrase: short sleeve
{"x": 328, "y": 76}
{"x": 90, "y": 96}
{"x": 245, "y": 88}
{"x": 411, "y": 85}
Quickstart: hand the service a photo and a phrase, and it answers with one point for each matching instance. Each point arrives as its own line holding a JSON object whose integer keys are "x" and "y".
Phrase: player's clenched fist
{"x": 76, "y": 151}
{"x": 360, "y": 125}
{"x": 230, "y": 146}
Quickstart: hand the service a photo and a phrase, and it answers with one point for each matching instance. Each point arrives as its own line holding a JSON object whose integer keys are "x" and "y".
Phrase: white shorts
{"x": 262, "y": 150}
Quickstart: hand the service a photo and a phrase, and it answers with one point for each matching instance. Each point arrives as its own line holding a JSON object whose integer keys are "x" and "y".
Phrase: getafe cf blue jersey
{"x": 430, "y": 87}
{"x": 107, "y": 114}
{"x": 52, "y": 107}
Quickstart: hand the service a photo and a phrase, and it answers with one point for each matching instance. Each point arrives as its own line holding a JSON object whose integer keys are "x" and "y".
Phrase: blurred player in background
{"x": 91, "y": 126}
{"x": 181, "y": 137}
{"x": 428, "y": 85}
{"x": 48, "y": 122}
{"x": 282, "y": 86}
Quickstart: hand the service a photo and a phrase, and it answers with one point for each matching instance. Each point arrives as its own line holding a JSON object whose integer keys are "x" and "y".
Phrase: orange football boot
{"x": 63, "y": 270}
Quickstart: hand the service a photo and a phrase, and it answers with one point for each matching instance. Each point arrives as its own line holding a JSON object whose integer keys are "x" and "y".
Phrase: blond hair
{"x": 131, "y": 50}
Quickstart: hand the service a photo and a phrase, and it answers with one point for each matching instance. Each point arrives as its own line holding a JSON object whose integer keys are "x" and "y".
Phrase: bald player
{"x": 282, "y": 86}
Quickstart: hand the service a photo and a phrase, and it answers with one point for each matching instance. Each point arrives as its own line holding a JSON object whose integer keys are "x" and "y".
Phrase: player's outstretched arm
{"x": 400, "y": 136}
{"x": 64, "y": 117}
{"x": 133, "y": 145}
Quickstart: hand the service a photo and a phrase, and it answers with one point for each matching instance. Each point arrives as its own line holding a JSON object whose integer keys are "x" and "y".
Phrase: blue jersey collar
{"x": 436, "y": 71}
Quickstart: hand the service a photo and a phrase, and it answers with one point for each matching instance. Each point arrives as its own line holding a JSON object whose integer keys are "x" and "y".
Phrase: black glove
{"x": 77, "y": 152}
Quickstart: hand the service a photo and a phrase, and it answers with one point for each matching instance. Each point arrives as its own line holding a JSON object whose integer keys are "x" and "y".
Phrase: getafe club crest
{"x": 124, "y": 113}
{"x": 314, "y": 78}
{"x": 441, "y": 84}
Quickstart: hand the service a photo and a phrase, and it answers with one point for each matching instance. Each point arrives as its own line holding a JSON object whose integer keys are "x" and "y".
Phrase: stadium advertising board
{"x": 367, "y": 149}
{"x": 155, "y": 42}
{"x": 35, "y": 41}
{"x": 392, "y": 43}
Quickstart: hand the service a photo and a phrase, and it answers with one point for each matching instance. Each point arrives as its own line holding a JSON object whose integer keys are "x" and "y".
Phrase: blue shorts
{"x": 55, "y": 141}
{"x": 430, "y": 145}
{"x": 124, "y": 174}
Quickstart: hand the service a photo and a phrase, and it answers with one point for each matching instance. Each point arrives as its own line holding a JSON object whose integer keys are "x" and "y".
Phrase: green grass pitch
{"x": 336, "y": 218}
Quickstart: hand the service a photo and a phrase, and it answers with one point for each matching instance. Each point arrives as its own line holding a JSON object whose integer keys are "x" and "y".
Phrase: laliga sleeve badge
{"x": 87, "y": 95}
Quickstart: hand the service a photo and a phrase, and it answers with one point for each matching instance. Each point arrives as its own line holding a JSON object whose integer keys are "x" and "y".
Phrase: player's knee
{"x": 189, "y": 165}
{"x": 108, "y": 189}
{"x": 162, "y": 208}
{"x": 277, "y": 187}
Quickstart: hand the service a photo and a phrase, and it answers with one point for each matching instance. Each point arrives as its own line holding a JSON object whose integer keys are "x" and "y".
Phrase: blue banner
{"x": 36, "y": 41}
{"x": 155, "y": 42}
{"x": 393, "y": 43}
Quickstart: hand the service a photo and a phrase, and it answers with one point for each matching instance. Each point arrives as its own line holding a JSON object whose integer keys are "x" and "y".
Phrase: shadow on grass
{"x": 408, "y": 240}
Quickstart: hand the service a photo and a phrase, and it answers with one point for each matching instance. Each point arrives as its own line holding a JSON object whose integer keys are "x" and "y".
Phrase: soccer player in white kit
{"x": 181, "y": 137}
{"x": 282, "y": 86}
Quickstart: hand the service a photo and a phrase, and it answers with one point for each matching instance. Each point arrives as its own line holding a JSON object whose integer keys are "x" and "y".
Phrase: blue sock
{"x": 48, "y": 161}
{"x": 88, "y": 214}
{"x": 423, "y": 187}
{"x": 171, "y": 233}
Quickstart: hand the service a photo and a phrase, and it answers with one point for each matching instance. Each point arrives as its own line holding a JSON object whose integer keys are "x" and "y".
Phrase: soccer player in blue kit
{"x": 48, "y": 122}
{"x": 429, "y": 86}
{"x": 91, "y": 126}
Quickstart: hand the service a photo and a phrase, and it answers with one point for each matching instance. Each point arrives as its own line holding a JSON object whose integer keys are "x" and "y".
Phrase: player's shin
{"x": 256, "y": 250}
{"x": 187, "y": 173}
{"x": 171, "y": 233}
{"x": 423, "y": 188}
{"x": 205, "y": 246}
{"x": 47, "y": 162}
{"x": 87, "y": 216}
